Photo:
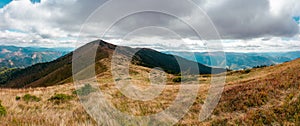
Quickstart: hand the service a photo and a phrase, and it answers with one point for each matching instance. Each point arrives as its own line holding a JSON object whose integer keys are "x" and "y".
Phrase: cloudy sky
{"x": 243, "y": 25}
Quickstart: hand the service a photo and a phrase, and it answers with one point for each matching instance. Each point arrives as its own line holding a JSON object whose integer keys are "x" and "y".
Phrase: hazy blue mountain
{"x": 12, "y": 56}
{"x": 237, "y": 61}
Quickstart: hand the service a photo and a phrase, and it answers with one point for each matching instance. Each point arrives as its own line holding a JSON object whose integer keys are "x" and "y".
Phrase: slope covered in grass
{"x": 262, "y": 96}
{"x": 271, "y": 97}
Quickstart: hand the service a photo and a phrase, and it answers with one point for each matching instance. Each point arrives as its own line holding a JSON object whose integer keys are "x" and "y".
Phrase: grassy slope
{"x": 269, "y": 96}
{"x": 263, "y": 96}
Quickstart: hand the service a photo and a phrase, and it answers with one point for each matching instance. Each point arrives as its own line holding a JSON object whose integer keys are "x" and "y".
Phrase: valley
{"x": 239, "y": 61}
{"x": 21, "y": 57}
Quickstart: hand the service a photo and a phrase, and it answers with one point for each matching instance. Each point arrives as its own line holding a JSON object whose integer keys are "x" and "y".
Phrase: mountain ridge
{"x": 54, "y": 72}
{"x": 21, "y": 57}
{"x": 238, "y": 61}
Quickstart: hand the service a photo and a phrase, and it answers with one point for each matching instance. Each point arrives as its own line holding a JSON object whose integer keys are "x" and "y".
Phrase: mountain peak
{"x": 102, "y": 44}
{"x": 60, "y": 70}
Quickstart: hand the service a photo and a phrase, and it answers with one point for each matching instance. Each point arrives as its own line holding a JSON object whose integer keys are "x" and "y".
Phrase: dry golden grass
{"x": 44, "y": 112}
{"x": 264, "y": 96}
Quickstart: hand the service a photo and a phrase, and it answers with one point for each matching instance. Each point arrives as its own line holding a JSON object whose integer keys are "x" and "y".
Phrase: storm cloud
{"x": 58, "y": 22}
{"x": 245, "y": 19}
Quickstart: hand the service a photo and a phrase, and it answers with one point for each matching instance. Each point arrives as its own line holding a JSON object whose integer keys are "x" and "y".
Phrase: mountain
{"x": 237, "y": 61}
{"x": 20, "y": 57}
{"x": 262, "y": 96}
{"x": 59, "y": 71}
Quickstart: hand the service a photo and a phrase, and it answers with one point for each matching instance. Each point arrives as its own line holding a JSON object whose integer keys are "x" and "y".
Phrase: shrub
{"x": 228, "y": 69}
{"x": 261, "y": 66}
{"x": 177, "y": 79}
{"x": 85, "y": 90}
{"x": 2, "y": 110}
{"x": 183, "y": 79}
{"x": 18, "y": 98}
{"x": 28, "y": 97}
{"x": 245, "y": 71}
{"x": 59, "y": 98}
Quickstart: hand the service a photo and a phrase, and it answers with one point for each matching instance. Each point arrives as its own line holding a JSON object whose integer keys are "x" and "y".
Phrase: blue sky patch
{"x": 16, "y": 31}
{"x": 297, "y": 19}
{"x": 35, "y": 1}
{"x": 4, "y": 2}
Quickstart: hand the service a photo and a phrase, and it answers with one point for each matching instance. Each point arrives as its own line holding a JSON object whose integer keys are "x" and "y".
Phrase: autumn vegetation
{"x": 264, "y": 96}
{"x": 259, "y": 96}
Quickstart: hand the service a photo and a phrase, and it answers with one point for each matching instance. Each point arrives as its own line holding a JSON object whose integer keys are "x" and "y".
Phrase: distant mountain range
{"x": 21, "y": 57}
{"x": 236, "y": 61}
{"x": 59, "y": 71}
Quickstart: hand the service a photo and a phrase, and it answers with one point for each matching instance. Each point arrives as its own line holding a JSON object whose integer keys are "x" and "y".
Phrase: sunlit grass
{"x": 262, "y": 96}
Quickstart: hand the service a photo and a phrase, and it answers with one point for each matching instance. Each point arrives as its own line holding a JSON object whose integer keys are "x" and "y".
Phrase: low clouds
{"x": 246, "y": 19}
{"x": 59, "y": 22}
{"x": 50, "y": 21}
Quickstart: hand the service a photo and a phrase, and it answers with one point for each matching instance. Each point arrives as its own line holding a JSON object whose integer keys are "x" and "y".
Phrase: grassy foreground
{"x": 261, "y": 96}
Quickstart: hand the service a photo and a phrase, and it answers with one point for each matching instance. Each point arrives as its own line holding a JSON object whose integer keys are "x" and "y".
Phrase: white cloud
{"x": 244, "y": 23}
{"x": 290, "y": 7}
